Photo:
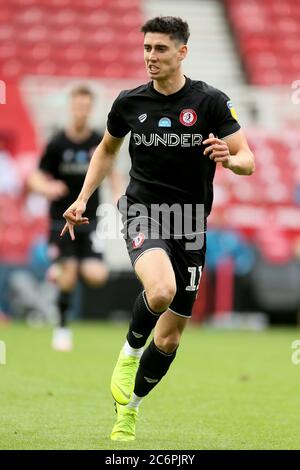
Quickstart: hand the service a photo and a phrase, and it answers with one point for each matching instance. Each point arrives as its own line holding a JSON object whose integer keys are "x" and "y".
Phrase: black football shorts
{"x": 187, "y": 263}
{"x": 85, "y": 245}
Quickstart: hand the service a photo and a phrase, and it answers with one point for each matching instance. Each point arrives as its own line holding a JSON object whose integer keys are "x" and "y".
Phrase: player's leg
{"x": 161, "y": 352}
{"x": 154, "y": 364}
{"x": 66, "y": 273}
{"x": 155, "y": 271}
{"x": 93, "y": 272}
{"x": 154, "y": 300}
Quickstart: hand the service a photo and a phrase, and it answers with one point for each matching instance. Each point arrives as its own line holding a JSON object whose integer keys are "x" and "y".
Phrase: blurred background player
{"x": 59, "y": 177}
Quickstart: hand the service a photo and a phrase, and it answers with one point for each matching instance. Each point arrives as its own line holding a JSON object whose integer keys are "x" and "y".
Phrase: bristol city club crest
{"x": 188, "y": 117}
{"x": 138, "y": 240}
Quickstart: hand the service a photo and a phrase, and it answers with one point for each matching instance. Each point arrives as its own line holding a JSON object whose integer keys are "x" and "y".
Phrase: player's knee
{"x": 67, "y": 281}
{"x": 167, "y": 344}
{"x": 96, "y": 279}
{"x": 95, "y": 276}
{"x": 161, "y": 296}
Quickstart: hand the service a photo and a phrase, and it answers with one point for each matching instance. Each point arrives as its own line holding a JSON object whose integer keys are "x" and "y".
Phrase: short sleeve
{"x": 223, "y": 116}
{"x": 48, "y": 162}
{"x": 116, "y": 123}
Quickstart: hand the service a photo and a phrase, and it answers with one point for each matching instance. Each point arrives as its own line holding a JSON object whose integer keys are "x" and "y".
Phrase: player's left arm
{"x": 232, "y": 151}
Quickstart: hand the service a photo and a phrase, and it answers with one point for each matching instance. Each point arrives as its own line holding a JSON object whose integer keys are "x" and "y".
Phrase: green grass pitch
{"x": 226, "y": 390}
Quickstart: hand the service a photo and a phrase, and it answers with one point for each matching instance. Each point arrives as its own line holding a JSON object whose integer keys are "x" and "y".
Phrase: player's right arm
{"x": 100, "y": 165}
{"x": 44, "y": 179}
{"x": 42, "y": 183}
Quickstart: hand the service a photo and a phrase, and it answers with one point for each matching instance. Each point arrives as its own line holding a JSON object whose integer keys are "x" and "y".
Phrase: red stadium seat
{"x": 267, "y": 32}
{"x": 67, "y": 36}
{"x": 8, "y": 51}
{"x": 12, "y": 69}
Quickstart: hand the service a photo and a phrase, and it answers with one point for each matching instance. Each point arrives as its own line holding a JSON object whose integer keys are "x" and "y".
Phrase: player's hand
{"x": 56, "y": 189}
{"x": 217, "y": 150}
{"x": 73, "y": 216}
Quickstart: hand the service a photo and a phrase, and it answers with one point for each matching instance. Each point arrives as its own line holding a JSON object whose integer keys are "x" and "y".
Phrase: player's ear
{"x": 182, "y": 51}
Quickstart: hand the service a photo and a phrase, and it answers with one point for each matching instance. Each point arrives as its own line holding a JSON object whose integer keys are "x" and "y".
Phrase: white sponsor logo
{"x": 168, "y": 140}
{"x": 143, "y": 117}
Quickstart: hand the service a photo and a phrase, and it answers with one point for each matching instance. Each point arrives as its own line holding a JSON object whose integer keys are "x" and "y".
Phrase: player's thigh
{"x": 155, "y": 271}
{"x": 188, "y": 266}
{"x": 150, "y": 257}
{"x": 93, "y": 271}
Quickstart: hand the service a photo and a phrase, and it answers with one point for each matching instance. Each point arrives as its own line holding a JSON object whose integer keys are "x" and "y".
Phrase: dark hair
{"x": 175, "y": 27}
{"x": 82, "y": 90}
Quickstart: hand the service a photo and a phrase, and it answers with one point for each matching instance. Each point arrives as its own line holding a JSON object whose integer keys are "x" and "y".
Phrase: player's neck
{"x": 169, "y": 86}
{"x": 78, "y": 133}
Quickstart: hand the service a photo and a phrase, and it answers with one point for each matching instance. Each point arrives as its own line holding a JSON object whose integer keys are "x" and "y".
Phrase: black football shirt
{"x": 68, "y": 161}
{"x": 166, "y": 150}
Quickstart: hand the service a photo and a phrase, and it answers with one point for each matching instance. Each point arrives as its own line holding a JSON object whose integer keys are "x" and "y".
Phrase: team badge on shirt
{"x": 188, "y": 117}
{"x": 232, "y": 110}
{"x": 138, "y": 240}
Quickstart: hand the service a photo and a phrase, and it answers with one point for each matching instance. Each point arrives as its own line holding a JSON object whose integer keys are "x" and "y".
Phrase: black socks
{"x": 154, "y": 364}
{"x": 63, "y": 305}
{"x": 142, "y": 323}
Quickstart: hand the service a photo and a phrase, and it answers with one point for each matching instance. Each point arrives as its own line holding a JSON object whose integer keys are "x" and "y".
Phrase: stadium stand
{"x": 269, "y": 196}
{"x": 55, "y": 38}
{"x": 46, "y": 44}
{"x": 267, "y": 33}
{"x": 52, "y": 37}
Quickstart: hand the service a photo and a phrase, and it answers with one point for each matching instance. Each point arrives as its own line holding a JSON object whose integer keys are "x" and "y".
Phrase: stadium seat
{"x": 247, "y": 202}
{"x": 8, "y": 50}
{"x": 12, "y": 69}
{"x": 266, "y": 33}
{"x": 40, "y": 37}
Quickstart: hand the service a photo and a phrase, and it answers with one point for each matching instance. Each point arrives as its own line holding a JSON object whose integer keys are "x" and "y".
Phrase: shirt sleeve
{"x": 48, "y": 162}
{"x": 116, "y": 124}
{"x": 224, "y": 118}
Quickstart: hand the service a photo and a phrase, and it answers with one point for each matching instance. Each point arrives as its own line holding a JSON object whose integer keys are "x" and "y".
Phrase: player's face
{"x": 81, "y": 107}
{"x": 162, "y": 55}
